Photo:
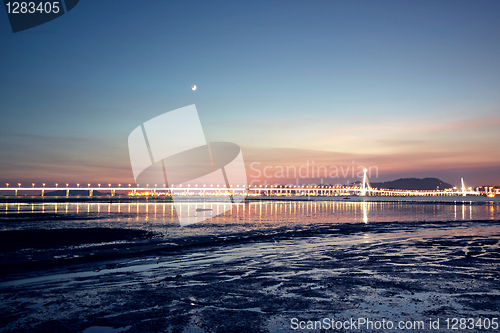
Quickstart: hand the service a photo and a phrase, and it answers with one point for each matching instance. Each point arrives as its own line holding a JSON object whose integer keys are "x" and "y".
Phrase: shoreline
{"x": 398, "y": 273}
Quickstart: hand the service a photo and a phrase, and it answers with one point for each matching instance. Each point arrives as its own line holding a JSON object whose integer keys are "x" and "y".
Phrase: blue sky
{"x": 412, "y": 87}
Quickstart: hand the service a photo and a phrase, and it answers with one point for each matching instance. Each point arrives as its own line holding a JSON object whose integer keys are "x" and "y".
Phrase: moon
{"x": 194, "y": 87}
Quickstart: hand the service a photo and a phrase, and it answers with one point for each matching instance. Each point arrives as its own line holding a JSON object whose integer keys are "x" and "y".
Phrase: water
{"x": 256, "y": 215}
{"x": 256, "y": 221}
{"x": 254, "y": 267}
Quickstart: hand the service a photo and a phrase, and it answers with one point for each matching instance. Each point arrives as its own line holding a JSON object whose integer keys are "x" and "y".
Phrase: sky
{"x": 408, "y": 88}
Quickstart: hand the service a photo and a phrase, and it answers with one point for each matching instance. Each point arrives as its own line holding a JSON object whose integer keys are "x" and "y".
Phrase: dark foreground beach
{"x": 266, "y": 267}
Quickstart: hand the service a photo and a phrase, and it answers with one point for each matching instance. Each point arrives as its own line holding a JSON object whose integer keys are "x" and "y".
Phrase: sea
{"x": 264, "y": 265}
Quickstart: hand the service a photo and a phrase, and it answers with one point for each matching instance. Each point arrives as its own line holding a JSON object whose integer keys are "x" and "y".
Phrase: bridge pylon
{"x": 365, "y": 184}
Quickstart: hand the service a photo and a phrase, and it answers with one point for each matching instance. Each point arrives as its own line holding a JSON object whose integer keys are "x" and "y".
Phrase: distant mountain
{"x": 413, "y": 184}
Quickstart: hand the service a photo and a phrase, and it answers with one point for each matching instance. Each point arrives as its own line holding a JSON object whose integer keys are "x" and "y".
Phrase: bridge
{"x": 362, "y": 189}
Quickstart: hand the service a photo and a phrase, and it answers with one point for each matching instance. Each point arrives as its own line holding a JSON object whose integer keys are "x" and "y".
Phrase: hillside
{"x": 413, "y": 184}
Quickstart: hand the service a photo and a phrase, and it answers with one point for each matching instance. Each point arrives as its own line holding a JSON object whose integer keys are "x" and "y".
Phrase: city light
{"x": 357, "y": 189}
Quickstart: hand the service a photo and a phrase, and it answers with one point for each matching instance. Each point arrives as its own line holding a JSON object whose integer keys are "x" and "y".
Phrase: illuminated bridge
{"x": 362, "y": 189}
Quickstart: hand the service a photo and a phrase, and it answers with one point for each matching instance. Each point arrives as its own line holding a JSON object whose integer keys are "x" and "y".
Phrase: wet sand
{"x": 258, "y": 281}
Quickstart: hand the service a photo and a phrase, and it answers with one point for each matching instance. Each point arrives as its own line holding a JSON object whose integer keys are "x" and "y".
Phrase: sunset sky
{"x": 411, "y": 87}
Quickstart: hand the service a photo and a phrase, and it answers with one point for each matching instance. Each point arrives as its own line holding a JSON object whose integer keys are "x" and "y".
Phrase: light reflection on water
{"x": 160, "y": 216}
{"x": 361, "y": 211}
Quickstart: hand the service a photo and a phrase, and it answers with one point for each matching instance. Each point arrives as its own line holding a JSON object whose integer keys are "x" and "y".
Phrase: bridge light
{"x": 109, "y": 185}
{"x": 67, "y": 184}
{"x": 43, "y": 185}
{"x": 129, "y": 185}
{"x": 77, "y": 185}
{"x": 88, "y": 185}
{"x": 119, "y": 185}
{"x": 7, "y": 184}
{"x": 33, "y": 184}
{"x": 98, "y": 185}
{"x": 19, "y": 184}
